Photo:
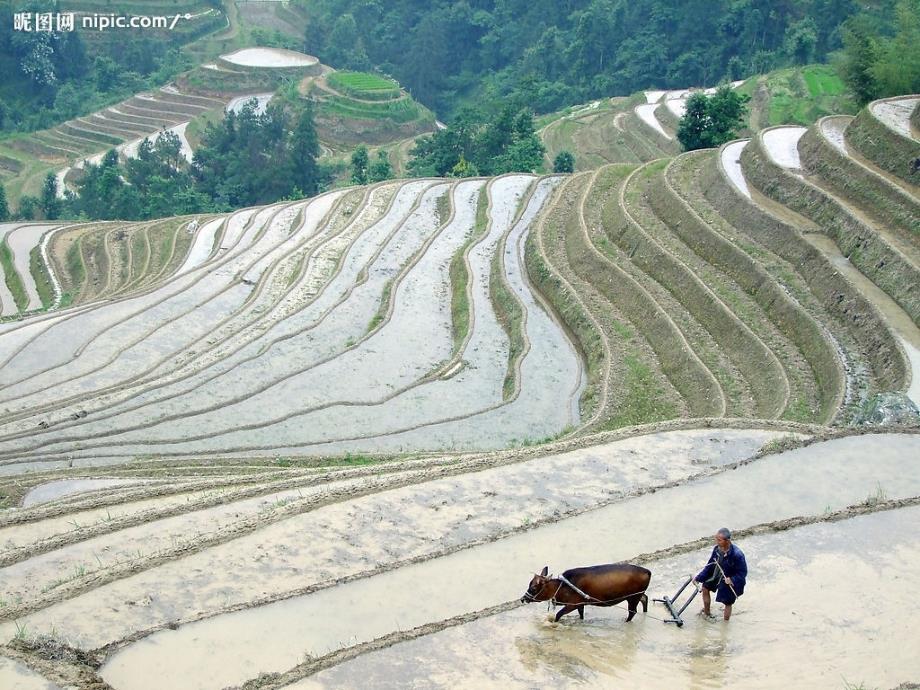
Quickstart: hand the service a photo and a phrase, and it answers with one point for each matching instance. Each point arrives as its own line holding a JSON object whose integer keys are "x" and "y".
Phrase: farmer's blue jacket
{"x": 733, "y": 564}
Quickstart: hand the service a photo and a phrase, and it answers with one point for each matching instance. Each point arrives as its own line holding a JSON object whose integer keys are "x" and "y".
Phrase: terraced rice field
{"x": 274, "y": 448}
{"x": 122, "y": 127}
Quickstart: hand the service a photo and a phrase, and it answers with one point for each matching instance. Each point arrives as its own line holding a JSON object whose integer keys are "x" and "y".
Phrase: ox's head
{"x": 535, "y": 588}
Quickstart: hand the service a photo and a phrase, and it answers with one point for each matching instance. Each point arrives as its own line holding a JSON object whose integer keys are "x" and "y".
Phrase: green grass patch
{"x": 76, "y": 268}
{"x": 803, "y": 95}
{"x": 42, "y": 277}
{"x": 821, "y": 80}
{"x": 13, "y": 281}
{"x": 364, "y": 85}
{"x": 399, "y": 111}
{"x": 459, "y": 275}
{"x": 382, "y": 308}
{"x": 646, "y": 400}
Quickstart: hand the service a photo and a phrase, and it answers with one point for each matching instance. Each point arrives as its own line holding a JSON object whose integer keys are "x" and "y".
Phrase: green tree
{"x": 711, "y": 121}
{"x": 801, "y": 40}
{"x": 464, "y": 168}
{"x": 858, "y": 61}
{"x": 4, "y": 206}
{"x": 564, "y": 162}
{"x": 27, "y": 206}
{"x": 897, "y": 68}
{"x": 106, "y": 72}
{"x": 50, "y": 204}
{"x": 304, "y": 153}
{"x": 359, "y": 165}
{"x": 692, "y": 130}
{"x": 381, "y": 169}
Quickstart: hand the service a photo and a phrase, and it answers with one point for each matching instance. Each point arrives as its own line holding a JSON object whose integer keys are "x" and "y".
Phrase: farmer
{"x": 724, "y": 574}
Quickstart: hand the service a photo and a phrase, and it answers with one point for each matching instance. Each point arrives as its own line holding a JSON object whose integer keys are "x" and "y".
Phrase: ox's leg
{"x": 581, "y": 612}
{"x": 564, "y": 610}
{"x": 644, "y": 601}
{"x": 633, "y": 603}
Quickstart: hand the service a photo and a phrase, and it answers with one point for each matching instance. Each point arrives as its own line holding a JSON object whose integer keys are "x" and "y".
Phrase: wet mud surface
{"x": 236, "y": 646}
{"x": 805, "y": 604}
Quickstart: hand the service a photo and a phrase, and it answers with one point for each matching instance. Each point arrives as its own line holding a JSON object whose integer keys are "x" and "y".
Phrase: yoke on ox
{"x": 597, "y": 585}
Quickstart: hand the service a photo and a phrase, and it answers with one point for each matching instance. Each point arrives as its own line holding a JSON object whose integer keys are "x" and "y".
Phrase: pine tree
{"x": 51, "y": 205}
{"x": 304, "y": 150}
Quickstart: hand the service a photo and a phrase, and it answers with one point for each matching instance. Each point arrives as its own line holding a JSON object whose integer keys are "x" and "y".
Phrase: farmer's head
{"x": 724, "y": 537}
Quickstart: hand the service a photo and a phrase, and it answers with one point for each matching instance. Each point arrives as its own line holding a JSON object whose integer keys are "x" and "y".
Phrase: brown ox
{"x": 597, "y": 585}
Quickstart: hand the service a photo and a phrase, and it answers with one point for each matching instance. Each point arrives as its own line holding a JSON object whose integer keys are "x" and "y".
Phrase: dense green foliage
{"x": 50, "y": 77}
{"x": 4, "y": 206}
{"x": 479, "y": 144}
{"x": 380, "y": 169}
{"x": 554, "y": 53}
{"x": 50, "y": 203}
{"x": 882, "y": 58}
{"x": 564, "y": 162}
{"x": 245, "y": 160}
{"x": 711, "y": 121}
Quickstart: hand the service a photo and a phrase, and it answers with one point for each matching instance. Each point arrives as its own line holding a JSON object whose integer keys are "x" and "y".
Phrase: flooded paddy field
{"x": 808, "y": 591}
{"x": 278, "y": 636}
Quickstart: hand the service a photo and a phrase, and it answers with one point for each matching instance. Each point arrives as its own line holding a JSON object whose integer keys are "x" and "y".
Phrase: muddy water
{"x": 824, "y": 641}
{"x": 230, "y": 648}
{"x": 65, "y": 338}
{"x": 128, "y": 348}
{"x": 731, "y": 161}
{"x": 68, "y": 487}
{"x": 19, "y": 536}
{"x": 647, "y": 113}
{"x": 21, "y": 243}
{"x": 896, "y": 114}
{"x": 357, "y": 535}
{"x": 782, "y": 145}
{"x": 17, "y": 676}
{"x": 28, "y": 579}
{"x": 202, "y": 246}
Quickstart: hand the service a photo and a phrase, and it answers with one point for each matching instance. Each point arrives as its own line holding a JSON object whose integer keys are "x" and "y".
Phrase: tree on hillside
{"x": 4, "y": 206}
{"x": 710, "y": 121}
{"x": 479, "y": 143}
{"x": 897, "y": 68}
{"x": 564, "y": 162}
{"x": 359, "y": 165}
{"x": 380, "y": 169}
{"x": 27, "y": 206}
{"x": 304, "y": 152}
{"x": 858, "y": 60}
{"x": 51, "y": 205}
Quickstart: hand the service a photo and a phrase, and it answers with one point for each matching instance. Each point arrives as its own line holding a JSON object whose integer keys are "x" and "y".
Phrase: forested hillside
{"x": 557, "y": 53}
